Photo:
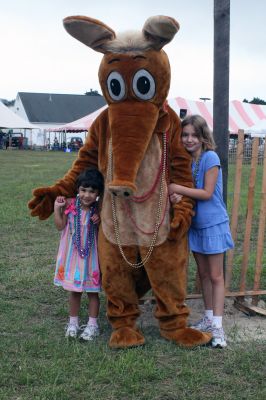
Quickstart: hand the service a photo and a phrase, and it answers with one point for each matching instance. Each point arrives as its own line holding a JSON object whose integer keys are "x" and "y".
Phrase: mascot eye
{"x": 116, "y": 86}
{"x": 144, "y": 85}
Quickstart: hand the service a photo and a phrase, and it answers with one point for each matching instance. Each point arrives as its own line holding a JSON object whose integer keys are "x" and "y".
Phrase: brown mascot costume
{"x": 135, "y": 143}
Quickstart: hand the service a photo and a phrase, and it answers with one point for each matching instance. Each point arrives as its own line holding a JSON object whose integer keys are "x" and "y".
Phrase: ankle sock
{"x": 217, "y": 321}
{"x": 209, "y": 314}
{"x": 93, "y": 321}
{"x": 74, "y": 321}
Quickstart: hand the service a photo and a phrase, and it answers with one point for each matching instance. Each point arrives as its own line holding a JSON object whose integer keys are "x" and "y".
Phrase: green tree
{"x": 92, "y": 93}
{"x": 255, "y": 100}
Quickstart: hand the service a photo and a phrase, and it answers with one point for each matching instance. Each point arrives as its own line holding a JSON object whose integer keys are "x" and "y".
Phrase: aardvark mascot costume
{"x": 135, "y": 143}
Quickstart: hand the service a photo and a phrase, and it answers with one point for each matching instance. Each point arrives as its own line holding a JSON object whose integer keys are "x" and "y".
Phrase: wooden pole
{"x": 235, "y": 208}
{"x": 261, "y": 231}
{"x": 221, "y": 84}
{"x": 251, "y": 190}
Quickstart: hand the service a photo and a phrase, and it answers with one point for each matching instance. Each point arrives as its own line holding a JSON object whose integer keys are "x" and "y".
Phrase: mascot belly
{"x": 136, "y": 144}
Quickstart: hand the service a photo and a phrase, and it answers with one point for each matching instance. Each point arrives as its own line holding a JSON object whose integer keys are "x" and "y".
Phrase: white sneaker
{"x": 204, "y": 325}
{"x": 71, "y": 331}
{"x": 90, "y": 332}
{"x": 218, "y": 338}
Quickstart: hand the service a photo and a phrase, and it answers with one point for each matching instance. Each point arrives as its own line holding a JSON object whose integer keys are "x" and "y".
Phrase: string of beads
{"x": 159, "y": 208}
{"x": 91, "y": 231}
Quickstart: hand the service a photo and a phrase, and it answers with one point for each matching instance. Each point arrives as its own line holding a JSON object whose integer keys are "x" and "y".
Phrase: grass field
{"x": 38, "y": 363}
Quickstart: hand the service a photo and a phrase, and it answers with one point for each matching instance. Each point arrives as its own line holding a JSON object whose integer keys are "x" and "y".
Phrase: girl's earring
{"x": 97, "y": 198}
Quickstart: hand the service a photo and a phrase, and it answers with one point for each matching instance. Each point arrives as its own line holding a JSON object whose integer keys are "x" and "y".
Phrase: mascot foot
{"x": 187, "y": 337}
{"x": 126, "y": 337}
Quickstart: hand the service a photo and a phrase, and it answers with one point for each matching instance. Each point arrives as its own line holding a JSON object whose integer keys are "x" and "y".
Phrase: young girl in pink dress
{"x": 77, "y": 265}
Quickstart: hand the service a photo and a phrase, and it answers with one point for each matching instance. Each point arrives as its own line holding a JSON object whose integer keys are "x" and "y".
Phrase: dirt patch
{"x": 238, "y": 326}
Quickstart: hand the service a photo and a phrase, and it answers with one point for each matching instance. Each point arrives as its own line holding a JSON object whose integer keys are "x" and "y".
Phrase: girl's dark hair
{"x": 91, "y": 177}
{"x": 202, "y": 130}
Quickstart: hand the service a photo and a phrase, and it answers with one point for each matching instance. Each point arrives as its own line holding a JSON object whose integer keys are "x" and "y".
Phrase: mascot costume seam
{"x": 136, "y": 145}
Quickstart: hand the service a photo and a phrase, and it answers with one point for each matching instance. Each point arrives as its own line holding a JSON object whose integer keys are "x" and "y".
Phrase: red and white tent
{"x": 245, "y": 116}
{"x": 80, "y": 125}
{"x": 205, "y": 109}
{"x": 241, "y": 115}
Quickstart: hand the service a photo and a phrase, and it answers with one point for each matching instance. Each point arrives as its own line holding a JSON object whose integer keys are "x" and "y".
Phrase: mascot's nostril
{"x": 126, "y": 194}
{"x": 114, "y": 193}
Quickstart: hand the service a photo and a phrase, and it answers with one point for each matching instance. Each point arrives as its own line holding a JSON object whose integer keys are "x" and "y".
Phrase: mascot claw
{"x": 126, "y": 337}
{"x": 187, "y": 337}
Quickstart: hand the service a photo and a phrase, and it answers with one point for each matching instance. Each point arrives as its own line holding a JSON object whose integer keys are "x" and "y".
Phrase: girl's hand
{"x": 174, "y": 188}
{"x": 96, "y": 218}
{"x": 60, "y": 202}
{"x": 175, "y": 198}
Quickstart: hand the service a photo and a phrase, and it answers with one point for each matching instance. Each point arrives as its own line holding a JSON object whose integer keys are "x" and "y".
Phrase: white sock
{"x": 74, "y": 321}
{"x": 209, "y": 314}
{"x": 217, "y": 321}
{"x": 93, "y": 321}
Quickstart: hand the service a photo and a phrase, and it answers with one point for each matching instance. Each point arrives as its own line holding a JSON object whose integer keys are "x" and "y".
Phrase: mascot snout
{"x": 132, "y": 125}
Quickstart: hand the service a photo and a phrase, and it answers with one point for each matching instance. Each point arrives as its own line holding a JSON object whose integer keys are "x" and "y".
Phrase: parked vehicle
{"x": 75, "y": 143}
{"x": 15, "y": 140}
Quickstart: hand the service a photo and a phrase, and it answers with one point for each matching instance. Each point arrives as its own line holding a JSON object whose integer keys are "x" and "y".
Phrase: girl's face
{"x": 190, "y": 140}
{"x": 87, "y": 196}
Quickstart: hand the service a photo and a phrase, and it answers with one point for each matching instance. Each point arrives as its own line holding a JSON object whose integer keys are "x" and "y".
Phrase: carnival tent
{"x": 10, "y": 120}
{"x": 258, "y": 129}
{"x": 241, "y": 115}
{"x": 245, "y": 116}
{"x": 80, "y": 125}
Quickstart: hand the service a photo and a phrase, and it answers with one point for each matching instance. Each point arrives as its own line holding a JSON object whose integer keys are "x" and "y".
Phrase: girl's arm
{"x": 60, "y": 219}
{"x": 206, "y": 193}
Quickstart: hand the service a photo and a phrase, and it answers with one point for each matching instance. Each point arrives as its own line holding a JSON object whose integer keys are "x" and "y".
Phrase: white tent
{"x": 80, "y": 125}
{"x": 259, "y": 129}
{"x": 241, "y": 115}
{"x": 10, "y": 120}
{"x": 250, "y": 117}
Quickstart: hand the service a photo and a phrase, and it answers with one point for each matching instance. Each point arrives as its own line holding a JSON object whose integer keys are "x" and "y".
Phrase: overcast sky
{"x": 37, "y": 54}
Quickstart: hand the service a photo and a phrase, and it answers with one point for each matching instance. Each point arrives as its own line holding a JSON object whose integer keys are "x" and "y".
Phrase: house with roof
{"x": 48, "y": 110}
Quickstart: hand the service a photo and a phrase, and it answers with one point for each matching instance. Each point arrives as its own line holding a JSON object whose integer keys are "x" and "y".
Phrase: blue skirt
{"x": 212, "y": 240}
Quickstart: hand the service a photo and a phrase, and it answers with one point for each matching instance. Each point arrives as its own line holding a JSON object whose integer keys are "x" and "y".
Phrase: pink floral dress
{"x": 73, "y": 272}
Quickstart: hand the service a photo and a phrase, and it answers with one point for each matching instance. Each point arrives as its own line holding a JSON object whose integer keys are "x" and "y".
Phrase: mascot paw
{"x": 187, "y": 337}
{"x": 42, "y": 204}
{"x": 125, "y": 337}
{"x": 178, "y": 228}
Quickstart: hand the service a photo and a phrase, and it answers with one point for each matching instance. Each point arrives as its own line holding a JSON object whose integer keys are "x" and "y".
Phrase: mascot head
{"x": 134, "y": 75}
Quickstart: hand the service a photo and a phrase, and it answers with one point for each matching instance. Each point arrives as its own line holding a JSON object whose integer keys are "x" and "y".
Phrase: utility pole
{"x": 221, "y": 84}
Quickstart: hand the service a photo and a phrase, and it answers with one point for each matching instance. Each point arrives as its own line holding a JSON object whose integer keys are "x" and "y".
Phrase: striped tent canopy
{"x": 258, "y": 129}
{"x": 241, "y": 115}
{"x": 80, "y": 125}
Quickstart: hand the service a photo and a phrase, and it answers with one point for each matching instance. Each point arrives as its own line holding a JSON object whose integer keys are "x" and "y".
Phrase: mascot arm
{"x": 180, "y": 173}
{"x": 42, "y": 204}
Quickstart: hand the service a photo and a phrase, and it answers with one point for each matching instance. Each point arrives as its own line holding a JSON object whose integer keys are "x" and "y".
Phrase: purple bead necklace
{"x": 91, "y": 230}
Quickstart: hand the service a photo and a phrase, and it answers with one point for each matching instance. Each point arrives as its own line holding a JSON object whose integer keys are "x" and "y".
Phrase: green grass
{"x": 38, "y": 363}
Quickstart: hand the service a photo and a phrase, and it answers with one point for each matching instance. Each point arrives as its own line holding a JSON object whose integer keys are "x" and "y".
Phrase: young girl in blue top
{"x": 209, "y": 234}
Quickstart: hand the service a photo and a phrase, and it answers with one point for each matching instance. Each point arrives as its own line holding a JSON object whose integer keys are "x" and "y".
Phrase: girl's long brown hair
{"x": 202, "y": 130}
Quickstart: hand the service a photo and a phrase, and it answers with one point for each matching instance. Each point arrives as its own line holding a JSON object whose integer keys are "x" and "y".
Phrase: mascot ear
{"x": 160, "y": 30}
{"x": 91, "y": 32}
